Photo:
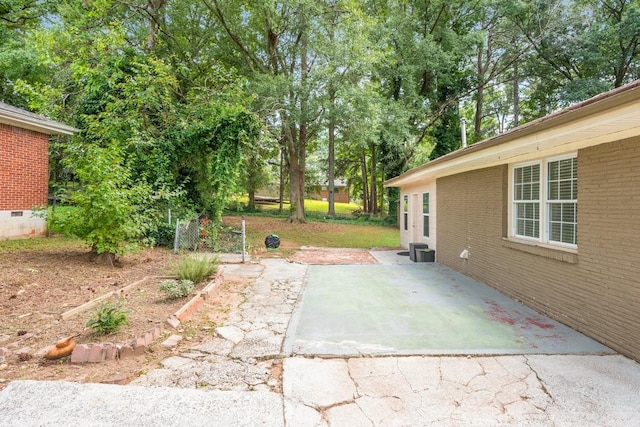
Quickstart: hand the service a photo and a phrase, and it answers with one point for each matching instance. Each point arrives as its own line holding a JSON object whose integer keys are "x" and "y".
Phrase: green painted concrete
{"x": 422, "y": 308}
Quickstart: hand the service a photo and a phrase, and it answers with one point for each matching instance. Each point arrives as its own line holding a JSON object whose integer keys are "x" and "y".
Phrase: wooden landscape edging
{"x": 93, "y": 302}
{"x": 96, "y": 353}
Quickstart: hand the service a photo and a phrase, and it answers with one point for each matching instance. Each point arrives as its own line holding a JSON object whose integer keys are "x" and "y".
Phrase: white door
{"x": 415, "y": 213}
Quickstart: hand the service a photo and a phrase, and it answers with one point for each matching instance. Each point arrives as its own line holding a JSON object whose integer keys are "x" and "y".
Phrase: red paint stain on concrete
{"x": 540, "y": 323}
{"x": 498, "y": 313}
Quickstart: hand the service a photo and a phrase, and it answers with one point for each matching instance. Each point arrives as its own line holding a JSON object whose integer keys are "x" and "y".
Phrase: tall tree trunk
{"x": 153, "y": 11}
{"x": 281, "y": 189}
{"x": 298, "y": 151}
{"x": 332, "y": 138}
{"x": 477, "y": 122}
{"x": 332, "y": 166}
{"x": 252, "y": 200}
{"x": 373, "y": 198}
{"x": 296, "y": 174}
{"x": 365, "y": 182}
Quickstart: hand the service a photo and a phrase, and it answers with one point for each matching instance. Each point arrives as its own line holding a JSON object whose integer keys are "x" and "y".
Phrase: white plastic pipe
{"x": 244, "y": 242}
{"x": 463, "y": 130}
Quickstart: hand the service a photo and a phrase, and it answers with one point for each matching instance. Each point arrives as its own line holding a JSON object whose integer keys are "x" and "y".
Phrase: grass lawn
{"x": 314, "y": 207}
{"x": 314, "y": 233}
{"x": 318, "y": 231}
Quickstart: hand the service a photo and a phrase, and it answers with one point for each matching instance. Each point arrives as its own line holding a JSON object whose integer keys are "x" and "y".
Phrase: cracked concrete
{"x": 500, "y": 390}
{"x": 230, "y": 380}
{"x": 241, "y": 355}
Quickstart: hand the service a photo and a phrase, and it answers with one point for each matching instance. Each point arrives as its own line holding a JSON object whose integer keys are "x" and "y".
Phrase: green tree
{"x": 176, "y": 145}
{"x": 275, "y": 41}
{"x": 108, "y": 205}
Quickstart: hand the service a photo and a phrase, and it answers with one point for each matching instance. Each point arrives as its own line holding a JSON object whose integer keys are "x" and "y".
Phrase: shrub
{"x": 162, "y": 235}
{"x": 109, "y": 317}
{"x": 174, "y": 289}
{"x": 196, "y": 269}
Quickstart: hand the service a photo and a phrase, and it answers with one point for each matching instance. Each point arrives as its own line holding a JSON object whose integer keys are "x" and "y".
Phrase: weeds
{"x": 109, "y": 317}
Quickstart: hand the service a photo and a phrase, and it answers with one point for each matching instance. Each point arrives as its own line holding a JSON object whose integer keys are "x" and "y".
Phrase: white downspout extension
{"x": 463, "y": 130}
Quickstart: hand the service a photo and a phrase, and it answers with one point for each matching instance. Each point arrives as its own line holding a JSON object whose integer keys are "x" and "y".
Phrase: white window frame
{"x": 426, "y": 215}
{"x": 543, "y": 204}
{"x": 514, "y": 222}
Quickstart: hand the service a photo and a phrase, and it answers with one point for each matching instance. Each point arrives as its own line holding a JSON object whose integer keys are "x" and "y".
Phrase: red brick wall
{"x": 342, "y": 195}
{"x": 24, "y": 168}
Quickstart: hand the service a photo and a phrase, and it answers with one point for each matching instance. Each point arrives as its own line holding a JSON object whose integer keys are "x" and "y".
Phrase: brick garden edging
{"x": 190, "y": 307}
{"x": 96, "y": 353}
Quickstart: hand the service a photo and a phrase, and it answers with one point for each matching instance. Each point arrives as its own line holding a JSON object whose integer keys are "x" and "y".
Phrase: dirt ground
{"x": 36, "y": 287}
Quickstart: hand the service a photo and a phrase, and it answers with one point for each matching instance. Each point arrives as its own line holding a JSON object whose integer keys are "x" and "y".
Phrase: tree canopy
{"x": 193, "y": 101}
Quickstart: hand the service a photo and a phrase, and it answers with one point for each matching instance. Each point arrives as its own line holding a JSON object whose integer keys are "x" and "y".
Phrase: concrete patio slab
{"x": 459, "y": 391}
{"x": 40, "y": 403}
{"x": 419, "y": 308}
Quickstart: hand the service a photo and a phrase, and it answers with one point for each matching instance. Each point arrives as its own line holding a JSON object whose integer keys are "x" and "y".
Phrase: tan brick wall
{"x": 596, "y": 291}
{"x": 23, "y": 168}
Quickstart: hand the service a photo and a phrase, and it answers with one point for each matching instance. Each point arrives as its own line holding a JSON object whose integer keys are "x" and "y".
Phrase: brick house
{"x": 547, "y": 213}
{"x": 24, "y": 176}
{"x": 340, "y": 192}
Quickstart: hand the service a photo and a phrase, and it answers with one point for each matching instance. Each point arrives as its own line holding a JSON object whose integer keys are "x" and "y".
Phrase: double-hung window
{"x": 425, "y": 214}
{"x": 562, "y": 201}
{"x": 526, "y": 200}
{"x": 545, "y": 201}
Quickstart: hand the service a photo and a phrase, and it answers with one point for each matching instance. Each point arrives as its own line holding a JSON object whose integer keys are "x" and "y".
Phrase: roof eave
{"x": 49, "y": 127}
{"x": 620, "y": 96}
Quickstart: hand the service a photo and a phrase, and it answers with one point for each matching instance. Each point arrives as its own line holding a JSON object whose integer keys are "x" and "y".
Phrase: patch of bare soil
{"x": 36, "y": 287}
{"x": 333, "y": 257}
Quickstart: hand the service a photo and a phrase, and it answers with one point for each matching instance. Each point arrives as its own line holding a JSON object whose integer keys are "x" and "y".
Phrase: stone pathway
{"x": 245, "y": 354}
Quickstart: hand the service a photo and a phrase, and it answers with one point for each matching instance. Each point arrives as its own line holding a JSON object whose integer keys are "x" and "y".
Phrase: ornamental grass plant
{"x": 195, "y": 268}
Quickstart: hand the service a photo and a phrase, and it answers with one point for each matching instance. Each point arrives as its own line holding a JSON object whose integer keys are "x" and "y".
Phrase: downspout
{"x": 463, "y": 131}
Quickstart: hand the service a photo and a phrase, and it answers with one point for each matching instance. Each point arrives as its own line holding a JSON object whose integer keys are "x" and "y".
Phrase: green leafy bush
{"x": 108, "y": 203}
{"x": 196, "y": 269}
{"x": 174, "y": 289}
{"x": 109, "y": 317}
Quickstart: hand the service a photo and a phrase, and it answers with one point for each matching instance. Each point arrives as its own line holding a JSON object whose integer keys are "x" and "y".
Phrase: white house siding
{"x": 415, "y": 232}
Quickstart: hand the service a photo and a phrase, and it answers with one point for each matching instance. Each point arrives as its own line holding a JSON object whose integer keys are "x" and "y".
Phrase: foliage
{"x": 163, "y": 148}
{"x": 162, "y": 234}
{"x": 212, "y": 144}
{"x": 195, "y": 269}
{"x": 196, "y": 97}
{"x": 107, "y": 214}
{"x": 174, "y": 289}
{"x": 109, "y": 317}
